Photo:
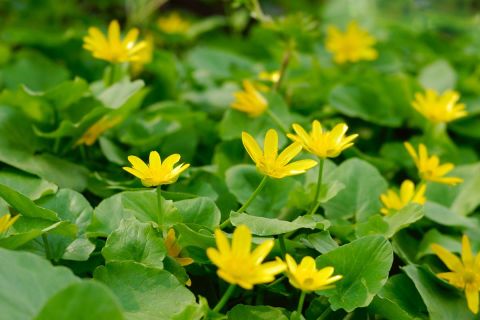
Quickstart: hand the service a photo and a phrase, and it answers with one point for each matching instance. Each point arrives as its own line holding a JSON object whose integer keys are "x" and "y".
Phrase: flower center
{"x": 308, "y": 281}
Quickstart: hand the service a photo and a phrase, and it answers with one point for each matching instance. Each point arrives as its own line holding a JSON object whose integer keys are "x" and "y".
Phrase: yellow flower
{"x": 249, "y": 100}
{"x": 324, "y": 144}
{"x": 465, "y": 273}
{"x": 353, "y": 45}
{"x": 173, "y": 249}
{"x": 269, "y": 162}
{"x": 306, "y": 277}
{"x": 439, "y": 108}
{"x": 429, "y": 168}
{"x": 273, "y": 76}
{"x": 393, "y": 201}
{"x": 173, "y": 23}
{"x": 156, "y": 173}
{"x": 6, "y": 221}
{"x": 237, "y": 265}
{"x": 112, "y": 48}
{"x": 97, "y": 129}
{"x": 145, "y": 56}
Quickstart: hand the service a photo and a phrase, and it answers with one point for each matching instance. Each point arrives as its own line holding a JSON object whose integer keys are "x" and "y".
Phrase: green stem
{"x": 47, "y": 246}
{"x": 276, "y": 281}
{"x": 277, "y": 121}
{"x": 325, "y": 314}
{"x": 316, "y": 203}
{"x": 254, "y": 194}
{"x": 283, "y": 66}
{"x": 283, "y": 248}
{"x": 248, "y": 202}
{"x": 224, "y": 298}
{"x": 160, "y": 205}
{"x": 301, "y": 301}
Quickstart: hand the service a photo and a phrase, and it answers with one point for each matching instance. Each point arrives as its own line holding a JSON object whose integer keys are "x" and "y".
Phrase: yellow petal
{"x": 222, "y": 242}
{"x": 135, "y": 172}
{"x": 449, "y": 259}
{"x": 467, "y": 256}
{"x": 471, "y": 292}
{"x": 154, "y": 160}
{"x": 291, "y": 264}
{"x": 241, "y": 241}
{"x": 252, "y": 147}
{"x": 138, "y": 164}
{"x": 289, "y": 153}
{"x": 262, "y": 251}
{"x": 270, "y": 146}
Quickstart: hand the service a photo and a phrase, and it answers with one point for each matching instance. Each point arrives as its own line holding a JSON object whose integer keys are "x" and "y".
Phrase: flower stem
{"x": 316, "y": 203}
{"x": 253, "y": 195}
{"x": 325, "y": 314}
{"x": 283, "y": 67}
{"x": 301, "y": 301}
{"x": 160, "y": 205}
{"x": 248, "y": 202}
{"x": 283, "y": 248}
{"x": 277, "y": 121}
{"x": 224, "y": 298}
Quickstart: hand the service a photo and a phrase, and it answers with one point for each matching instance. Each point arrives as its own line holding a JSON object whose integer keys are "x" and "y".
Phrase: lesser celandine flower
{"x": 306, "y": 277}
{"x": 173, "y": 249}
{"x": 393, "y": 201}
{"x": 156, "y": 173}
{"x": 465, "y": 273}
{"x": 173, "y": 23}
{"x": 439, "y": 108}
{"x": 322, "y": 143}
{"x": 429, "y": 168}
{"x": 269, "y": 162}
{"x": 6, "y": 221}
{"x": 249, "y": 100}
{"x": 238, "y": 265}
{"x": 97, "y": 129}
{"x": 353, "y": 45}
{"x": 113, "y": 48}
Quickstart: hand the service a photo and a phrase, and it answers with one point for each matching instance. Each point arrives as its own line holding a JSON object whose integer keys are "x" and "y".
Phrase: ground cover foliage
{"x": 239, "y": 159}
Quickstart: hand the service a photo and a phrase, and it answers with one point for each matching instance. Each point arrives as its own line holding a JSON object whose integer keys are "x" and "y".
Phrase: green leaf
{"x": 320, "y": 241}
{"x": 361, "y": 196}
{"x": 444, "y": 216}
{"x": 26, "y": 184}
{"x": 450, "y": 243}
{"x": 82, "y": 301}
{"x": 242, "y": 180}
{"x": 399, "y": 300}
{"x": 365, "y": 264}
{"x": 241, "y": 312}
{"x": 116, "y": 95}
{"x": 361, "y": 99}
{"x": 438, "y": 75}
{"x": 461, "y": 199}
{"x": 392, "y": 223}
{"x": 144, "y": 292}
{"x": 20, "y": 272}
{"x": 268, "y": 227}
{"x": 443, "y": 301}
{"x": 201, "y": 210}
{"x": 141, "y": 205}
{"x": 26, "y": 206}
{"x": 21, "y": 149}
{"x": 135, "y": 241}
{"x": 34, "y": 71}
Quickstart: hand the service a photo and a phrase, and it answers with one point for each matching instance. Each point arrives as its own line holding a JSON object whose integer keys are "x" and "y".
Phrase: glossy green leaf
{"x": 145, "y": 292}
{"x": 135, "y": 241}
{"x": 365, "y": 264}
{"x": 19, "y": 273}
{"x": 82, "y": 301}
